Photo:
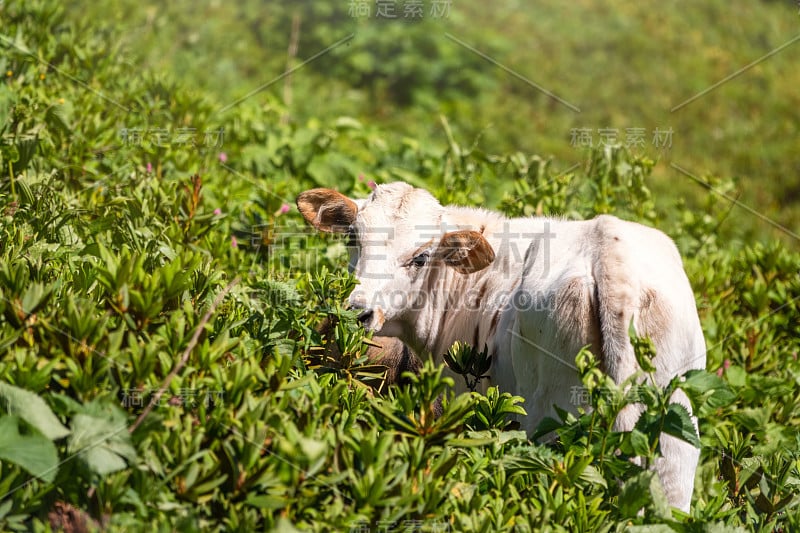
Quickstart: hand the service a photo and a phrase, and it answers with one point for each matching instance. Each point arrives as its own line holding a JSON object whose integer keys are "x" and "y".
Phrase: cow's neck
{"x": 461, "y": 310}
{"x": 476, "y": 302}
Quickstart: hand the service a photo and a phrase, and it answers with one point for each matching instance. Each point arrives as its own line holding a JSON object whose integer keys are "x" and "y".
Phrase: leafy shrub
{"x": 158, "y": 329}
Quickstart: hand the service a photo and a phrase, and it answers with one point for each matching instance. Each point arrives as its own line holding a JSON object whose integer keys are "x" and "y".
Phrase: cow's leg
{"x": 678, "y": 463}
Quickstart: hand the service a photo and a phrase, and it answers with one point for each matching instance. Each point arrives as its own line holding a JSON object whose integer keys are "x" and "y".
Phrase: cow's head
{"x": 399, "y": 245}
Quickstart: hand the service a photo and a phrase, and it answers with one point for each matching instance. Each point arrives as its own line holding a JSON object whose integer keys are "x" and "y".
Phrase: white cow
{"x": 534, "y": 290}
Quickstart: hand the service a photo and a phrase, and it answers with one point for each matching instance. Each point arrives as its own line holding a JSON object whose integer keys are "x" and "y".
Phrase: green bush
{"x": 160, "y": 305}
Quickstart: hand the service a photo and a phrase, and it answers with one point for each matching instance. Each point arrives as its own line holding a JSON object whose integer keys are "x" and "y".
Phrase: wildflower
{"x": 372, "y": 185}
{"x": 218, "y": 211}
{"x": 284, "y": 208}
{"x": 223, "y": 157}
{"x": 361, "y": 177}
{"x": 149, "y": 168}
{"x": 234, "y": 242}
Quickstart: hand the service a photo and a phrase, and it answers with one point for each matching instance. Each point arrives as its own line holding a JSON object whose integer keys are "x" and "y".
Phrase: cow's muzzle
{"x": 366, "y": 316}
{"x": 371, "y": 319}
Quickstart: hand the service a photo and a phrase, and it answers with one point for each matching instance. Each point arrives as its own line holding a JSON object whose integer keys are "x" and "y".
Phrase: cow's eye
{"x": 421, "y": 260}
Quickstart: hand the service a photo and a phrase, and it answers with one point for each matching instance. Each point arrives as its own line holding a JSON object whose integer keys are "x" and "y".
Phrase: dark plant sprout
{"x": 470, "y": 363}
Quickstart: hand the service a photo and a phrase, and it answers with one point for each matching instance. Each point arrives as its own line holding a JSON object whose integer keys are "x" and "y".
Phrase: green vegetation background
{"x": 624, "y": 65}
{"x": 126, "y": 215}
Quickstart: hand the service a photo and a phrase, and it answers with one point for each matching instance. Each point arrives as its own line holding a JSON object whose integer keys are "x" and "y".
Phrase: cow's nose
{"x": 365, "y": 317}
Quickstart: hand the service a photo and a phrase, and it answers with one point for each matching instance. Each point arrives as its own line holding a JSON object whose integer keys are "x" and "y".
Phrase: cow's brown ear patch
{"x": 327, "y": 210}
{"x": 467, "y": 251}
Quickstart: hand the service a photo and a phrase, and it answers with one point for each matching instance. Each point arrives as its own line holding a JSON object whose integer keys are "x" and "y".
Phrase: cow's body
{"x": 534, "y": 291}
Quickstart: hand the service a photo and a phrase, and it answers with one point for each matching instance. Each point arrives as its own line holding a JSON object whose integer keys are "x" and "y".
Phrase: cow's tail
{"x": 616, "y": 303}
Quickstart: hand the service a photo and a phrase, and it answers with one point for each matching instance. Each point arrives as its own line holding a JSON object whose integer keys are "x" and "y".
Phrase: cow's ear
{"x": 327, "y": 210}
{"x": 465, "y": 250}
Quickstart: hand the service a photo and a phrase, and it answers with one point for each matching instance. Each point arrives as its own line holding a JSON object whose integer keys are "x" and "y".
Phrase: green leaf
{"x": 515, "y": 435}
{"x": 25, "y": 193}
{"x": 31, "y": 408}
{"x": 56, "y": 122}
{"x": 643, "y": 349}
{"x": 5, "y": 507}
{"x": 396, "y": 417}
{"x": 36, "y": 295}
{"x": 678, "y": 423}
{"x": 652, "y": 528}
{"x": 737, "y": 376}
{"x": 344, "y": 123}
{"x": 701, "y": 385}
{"x": 312, "y": 448}
{"x": 640, "y": 443}
{"x": 283, "y": 525}
{"x": 100, "y": 438}
{"x": 34, "y": 452}
{"x": 700, "y": 381}
{"x": 471, "y": 442}
{"x": 592, "y": 475}
{"x": 547, "y": 425}
{"x": 635, "y": 494}
{"x": 266, "y": 501}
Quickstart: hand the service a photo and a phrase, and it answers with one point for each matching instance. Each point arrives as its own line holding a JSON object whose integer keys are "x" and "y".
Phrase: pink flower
{"x": 361, "y": 177}
{"x": 149, "y": 168}
{"x": 218, "y": 211}
{"x": 223, "y": 157}
{"x": 234, "y": 242}
{"x": 372, "y": 185}
{"x": 284, "y": 208}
